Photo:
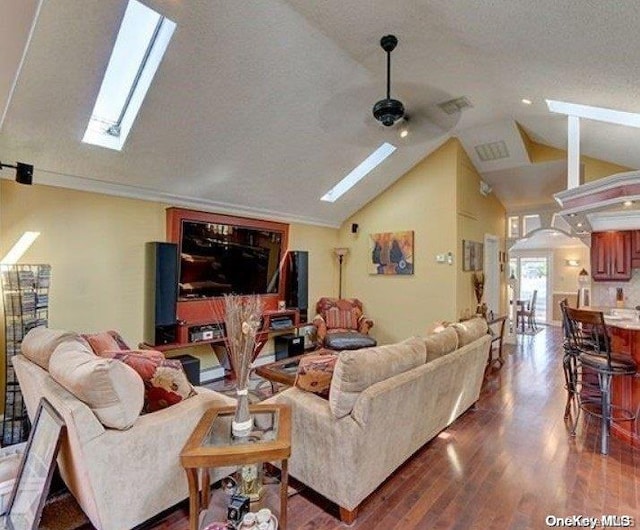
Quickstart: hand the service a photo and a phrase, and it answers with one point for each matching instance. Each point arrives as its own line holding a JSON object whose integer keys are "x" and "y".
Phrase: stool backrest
{"x": 589, "y": 332}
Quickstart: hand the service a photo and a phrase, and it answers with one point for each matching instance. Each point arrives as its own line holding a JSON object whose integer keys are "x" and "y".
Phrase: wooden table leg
{"x": 206, "y": 488}
{"x": 284, "y": 494}
{"x": 194, "y": 498}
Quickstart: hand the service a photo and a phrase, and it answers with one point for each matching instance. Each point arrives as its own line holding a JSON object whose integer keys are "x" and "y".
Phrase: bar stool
{"x": 589, "y": 334}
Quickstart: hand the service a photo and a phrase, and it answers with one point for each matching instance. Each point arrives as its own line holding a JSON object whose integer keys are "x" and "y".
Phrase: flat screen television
{"x": 218, "y": 258}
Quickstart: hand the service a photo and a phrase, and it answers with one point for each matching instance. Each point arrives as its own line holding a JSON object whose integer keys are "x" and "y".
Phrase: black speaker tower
{"x": 161, "y": 293}
{"x": 297, "y": 282}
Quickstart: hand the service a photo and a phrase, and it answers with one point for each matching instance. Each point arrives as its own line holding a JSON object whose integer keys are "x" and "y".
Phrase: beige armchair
{"x": 341, "y": 325}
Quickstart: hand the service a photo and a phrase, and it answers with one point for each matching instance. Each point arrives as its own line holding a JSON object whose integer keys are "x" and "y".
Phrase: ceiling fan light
{"x": 388, "y": 111}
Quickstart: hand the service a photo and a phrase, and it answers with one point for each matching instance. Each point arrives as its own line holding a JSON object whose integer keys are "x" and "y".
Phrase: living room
{"x": 238, "y": 130}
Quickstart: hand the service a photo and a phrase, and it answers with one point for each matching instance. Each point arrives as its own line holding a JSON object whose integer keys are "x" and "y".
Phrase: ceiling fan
{"x": 388, "y": 111}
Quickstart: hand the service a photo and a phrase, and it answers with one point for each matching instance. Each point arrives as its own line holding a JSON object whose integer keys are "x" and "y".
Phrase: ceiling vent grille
{"x": 492, "y": 151}
{"x": 455, "y": 105}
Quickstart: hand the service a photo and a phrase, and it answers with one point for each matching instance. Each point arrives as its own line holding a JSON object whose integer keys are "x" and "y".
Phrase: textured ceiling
{"x": 261, "y": 107}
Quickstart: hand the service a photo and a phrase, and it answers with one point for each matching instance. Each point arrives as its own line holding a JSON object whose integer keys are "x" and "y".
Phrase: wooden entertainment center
{"x": 200, "y": 314}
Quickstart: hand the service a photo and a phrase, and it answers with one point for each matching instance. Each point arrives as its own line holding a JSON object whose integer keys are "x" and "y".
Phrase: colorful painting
{"x": 392, "y": 253}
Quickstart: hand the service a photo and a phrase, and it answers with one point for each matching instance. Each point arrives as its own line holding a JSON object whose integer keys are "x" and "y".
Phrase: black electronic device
{"x": 161, "y": 292}
{"x": 297, "y": 282}
{"x": 282, "y": 322}
{"x": 206, "y": 332}
{"x": 288, "y": 345}
{"x": 218, "y": 259}
{"x": 191, "y": 366}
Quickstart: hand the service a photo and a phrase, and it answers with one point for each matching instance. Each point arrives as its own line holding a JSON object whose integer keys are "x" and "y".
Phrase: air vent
{"x": 455, "y": 105}
{"x": 492, "y": 151}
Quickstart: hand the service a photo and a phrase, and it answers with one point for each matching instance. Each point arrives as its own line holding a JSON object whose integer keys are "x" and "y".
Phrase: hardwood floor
{"x": 506, "y": 465}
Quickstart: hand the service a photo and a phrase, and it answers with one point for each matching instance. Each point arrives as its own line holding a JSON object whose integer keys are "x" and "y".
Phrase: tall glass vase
{"x": 242, "y": 422}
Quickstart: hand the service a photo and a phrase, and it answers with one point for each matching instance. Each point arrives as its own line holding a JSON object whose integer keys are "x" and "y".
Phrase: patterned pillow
{"x": 341, "y": 318}
{"x": 165, "y": 382}
{"x": 105, "y": 341}
{"x": 315, "y": 373}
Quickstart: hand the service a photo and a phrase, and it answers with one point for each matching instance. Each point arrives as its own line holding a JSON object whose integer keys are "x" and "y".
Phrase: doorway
{"x": 533, "y": 274}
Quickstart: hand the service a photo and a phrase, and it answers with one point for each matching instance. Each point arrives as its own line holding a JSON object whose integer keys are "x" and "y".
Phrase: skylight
{"x": 142, "y": 40}
{"x": 594, "y": 113}
{"x": 361, "y": 171}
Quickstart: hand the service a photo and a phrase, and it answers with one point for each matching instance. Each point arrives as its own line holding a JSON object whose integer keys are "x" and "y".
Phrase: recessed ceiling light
{"x": 526, "y": 101}
{"x": 404, "y": 133}
{"x": 572, "y": 214}
{"x": 627, "y": 203}
{"x": 579, "y": 225}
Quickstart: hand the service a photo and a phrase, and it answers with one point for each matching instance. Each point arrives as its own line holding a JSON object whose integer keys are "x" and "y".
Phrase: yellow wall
{"x": 593, "y": 168}
{"x": 477, "y": 215}
{"x": 424, "y": 201}
{"x": 565, "y": 278}
{"x": 95, "y": 245}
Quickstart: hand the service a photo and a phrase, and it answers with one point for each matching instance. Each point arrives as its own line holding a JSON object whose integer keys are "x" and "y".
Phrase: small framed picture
{"x": 36, "y": 469}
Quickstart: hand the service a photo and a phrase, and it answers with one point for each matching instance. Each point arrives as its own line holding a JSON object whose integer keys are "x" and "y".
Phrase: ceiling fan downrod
{"x": 388, "y": 111}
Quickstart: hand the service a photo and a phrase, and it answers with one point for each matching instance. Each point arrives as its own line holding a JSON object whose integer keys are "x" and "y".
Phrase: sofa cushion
{"x": 165, "y": 382}
{"x": 470, "y": 330}
{"x": 440, "y": 343}
{"x": 315, "y": 373}
{"x": 348, "y": 340}
{"x": 40, "y": 342}
{"x": 357, "y": 370}
{"x": 111, "y": 389}
{"x": 105, "y": 341}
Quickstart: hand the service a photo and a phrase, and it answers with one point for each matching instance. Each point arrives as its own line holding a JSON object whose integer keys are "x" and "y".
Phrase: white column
{"x": 573, "y": 152}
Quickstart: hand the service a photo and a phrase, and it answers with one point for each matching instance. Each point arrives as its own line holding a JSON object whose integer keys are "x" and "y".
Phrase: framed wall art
{"x": 472, "y": 255}
{"x": 391, "y": 253}
{"x": 36, "y": 469}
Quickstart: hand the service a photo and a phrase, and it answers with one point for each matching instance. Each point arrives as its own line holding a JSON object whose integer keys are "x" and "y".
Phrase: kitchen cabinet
{"x": 611, "y": 256}
{"x": 635, "y": 249}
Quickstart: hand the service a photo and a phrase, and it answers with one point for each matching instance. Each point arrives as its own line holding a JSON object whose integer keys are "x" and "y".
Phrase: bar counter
{"x": 624, "y": 331}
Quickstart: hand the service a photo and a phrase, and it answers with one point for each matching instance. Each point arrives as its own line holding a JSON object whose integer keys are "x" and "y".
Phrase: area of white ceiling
{"x": 263, "y": 106}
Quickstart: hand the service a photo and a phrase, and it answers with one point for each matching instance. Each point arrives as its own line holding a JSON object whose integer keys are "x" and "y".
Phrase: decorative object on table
{"x": 237, "y": 508}
{"x": 251, "y": 481}
{"x": 229, "y": 486}
{"x": 242, "y": 318}
{"x": 391, "y": 253}
{"x": 477, "y": 279}
{"x": 26, "y": 300}
{"x": 341, "y": 252}
{"x": 281, "y": 305}
{"x": 36, "y": 469}
{"x": 472, "y": 255}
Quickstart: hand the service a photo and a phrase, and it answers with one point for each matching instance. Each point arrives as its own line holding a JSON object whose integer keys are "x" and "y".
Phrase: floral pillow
{"x": 315, "y": 373}
{"x": 165, "y": 382}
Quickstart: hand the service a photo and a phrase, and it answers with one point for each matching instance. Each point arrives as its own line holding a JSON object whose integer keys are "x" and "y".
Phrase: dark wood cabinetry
{"x": 635, "y": 249}
{"x": 611, "y": 256}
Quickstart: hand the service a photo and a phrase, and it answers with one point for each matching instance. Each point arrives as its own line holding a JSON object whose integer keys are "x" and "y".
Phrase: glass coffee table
{"x": 212, "y": 445}
{"x": 284, "y": 371}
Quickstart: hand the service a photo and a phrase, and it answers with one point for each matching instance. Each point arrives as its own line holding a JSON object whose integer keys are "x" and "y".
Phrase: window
{"x": 514, "y": 226}
{"x": 361, "y": 171}
{"x": 142, "y": 40}
{"x": 530, "y": 223}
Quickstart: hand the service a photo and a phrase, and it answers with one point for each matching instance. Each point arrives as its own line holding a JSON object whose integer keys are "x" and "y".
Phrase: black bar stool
{"x": 589, "y": 334}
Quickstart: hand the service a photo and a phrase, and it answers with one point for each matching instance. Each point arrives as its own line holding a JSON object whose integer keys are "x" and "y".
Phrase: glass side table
{"x": 212, "y": 445}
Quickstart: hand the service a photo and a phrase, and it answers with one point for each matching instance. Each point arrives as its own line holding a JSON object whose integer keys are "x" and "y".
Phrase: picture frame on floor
{"x": 27, "y": 499}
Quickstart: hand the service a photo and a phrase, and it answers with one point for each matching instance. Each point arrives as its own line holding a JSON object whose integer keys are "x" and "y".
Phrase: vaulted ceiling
{"x": 260, "y": 107}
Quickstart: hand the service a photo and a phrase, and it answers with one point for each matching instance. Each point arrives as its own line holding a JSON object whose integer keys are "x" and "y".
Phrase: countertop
{"x": 624, "y": 318}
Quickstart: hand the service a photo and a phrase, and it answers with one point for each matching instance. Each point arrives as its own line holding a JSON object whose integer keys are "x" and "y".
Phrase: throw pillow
{"x": 470, "y": 330}
{"x": 341, "y": 318}
{"x": 154, "y": 354}
{"x": 101, "y": 342}
{"x": 165, "y": 382}
{"x": 315, "y": 373}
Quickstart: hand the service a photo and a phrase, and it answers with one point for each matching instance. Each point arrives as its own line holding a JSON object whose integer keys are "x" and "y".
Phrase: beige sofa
{"x": 384, "y": 404}
{"x": 120, "y": 478}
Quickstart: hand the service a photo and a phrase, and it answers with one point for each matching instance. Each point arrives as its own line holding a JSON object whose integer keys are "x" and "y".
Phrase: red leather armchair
{"x": 341, "y": 325}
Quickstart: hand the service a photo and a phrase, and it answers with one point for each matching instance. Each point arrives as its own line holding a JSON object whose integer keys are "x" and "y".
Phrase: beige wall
{"x": 95, "y": 244}
{"x": 424, "y": 201}
{"x": 565, "y": 278}
{"x": 477, "y": 215}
